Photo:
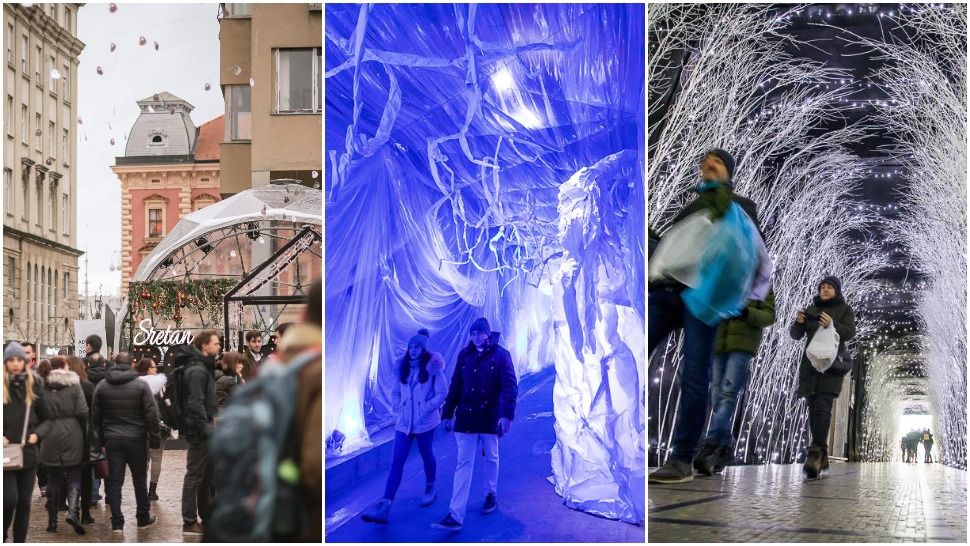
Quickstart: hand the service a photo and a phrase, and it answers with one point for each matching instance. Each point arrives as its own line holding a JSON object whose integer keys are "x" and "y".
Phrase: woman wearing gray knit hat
{"x": 21, "y": 392}
{"x": 417, "y": 399}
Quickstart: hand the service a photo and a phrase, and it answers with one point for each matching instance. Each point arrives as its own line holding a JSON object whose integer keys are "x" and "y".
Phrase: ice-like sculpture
{"x": 598, "y": 459}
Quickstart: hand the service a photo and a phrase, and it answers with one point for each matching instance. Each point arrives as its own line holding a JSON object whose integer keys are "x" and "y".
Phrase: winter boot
{"x": 52, "y": 520}
{"x": 86, "y": 518}
{"x": 378, "y": 513}
{"x": 73, "y": 505}
{"x": 152, "y": 493}
{"x": 813, "y": 463}
{"x": 723, "y": 458}
{"x": 706, "y": 459}
{"x": 429, "y": 495}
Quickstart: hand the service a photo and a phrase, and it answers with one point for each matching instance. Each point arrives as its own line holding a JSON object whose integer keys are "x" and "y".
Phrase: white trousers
{"x": 468, "y": 447}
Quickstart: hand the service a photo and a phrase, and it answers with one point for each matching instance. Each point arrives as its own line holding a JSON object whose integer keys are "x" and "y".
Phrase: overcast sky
{"x": 187, "y": 58}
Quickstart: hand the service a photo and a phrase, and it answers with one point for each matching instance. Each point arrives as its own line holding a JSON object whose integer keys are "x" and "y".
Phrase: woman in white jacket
{"x": 417, "y": 398}
{"x": 148, "y": 372}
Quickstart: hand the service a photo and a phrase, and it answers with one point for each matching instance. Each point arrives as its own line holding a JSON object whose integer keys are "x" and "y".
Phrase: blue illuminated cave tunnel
{"x": 487, "y": 160}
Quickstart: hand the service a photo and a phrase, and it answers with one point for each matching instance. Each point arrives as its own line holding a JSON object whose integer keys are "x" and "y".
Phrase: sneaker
{"x": 813, "y": 463}
{"x": 428, "y": 498}
{"x": 151, "y": 519}
{"x": 43, "y": 491}
{"x": 706, "y": 459}
{"x": 448, "y": 524}
{"x": 194, "y": 528}
{"x": 490, "y": 504}
{"x": 378, "y": 513}
{"x": 673, "y": 471}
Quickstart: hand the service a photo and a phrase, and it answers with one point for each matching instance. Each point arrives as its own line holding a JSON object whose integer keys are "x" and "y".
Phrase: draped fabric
{"x": 451, "y": 131}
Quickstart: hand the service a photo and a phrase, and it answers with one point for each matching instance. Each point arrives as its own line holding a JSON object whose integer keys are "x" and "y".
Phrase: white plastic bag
{"x": 824, "y": 348}
{"x": 679, "y": 252}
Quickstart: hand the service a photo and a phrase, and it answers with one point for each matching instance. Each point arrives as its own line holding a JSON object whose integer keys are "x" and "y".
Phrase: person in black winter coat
{"x": 64, "y": 416}
{"x": 124, "y": 416}
{"x": 21, "y": 393}
{"x": 97, "y": 364}
{"x": 198, "y": 414}
{"x": 479, "y": 407}
{"x": 820, "y": 389}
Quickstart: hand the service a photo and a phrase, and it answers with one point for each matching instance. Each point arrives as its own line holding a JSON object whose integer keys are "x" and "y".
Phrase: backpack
{"x": 259, "y": 477}
{"x": 926, "y": 437}
{"x": 171, "y": 400}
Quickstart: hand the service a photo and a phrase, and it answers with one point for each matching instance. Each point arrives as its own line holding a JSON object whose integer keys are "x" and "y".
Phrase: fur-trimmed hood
{"x": 60, "y": 379}
{"x": 436, "y": 364}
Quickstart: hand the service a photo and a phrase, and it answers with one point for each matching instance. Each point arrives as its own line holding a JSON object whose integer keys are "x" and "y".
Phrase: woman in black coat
{"x": 20, "y": 398}
{"x": 64, "y": 416}
{"x": 821, "y": 389}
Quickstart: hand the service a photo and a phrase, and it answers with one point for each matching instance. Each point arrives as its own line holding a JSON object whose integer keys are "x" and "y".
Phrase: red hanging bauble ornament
{"x": 146, "y": 295}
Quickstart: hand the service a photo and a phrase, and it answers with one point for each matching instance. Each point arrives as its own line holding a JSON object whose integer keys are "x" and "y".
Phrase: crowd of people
{"x": 910, "y": 442}
{"x": 71, "y": 425}
{"x": 717, "y": 353}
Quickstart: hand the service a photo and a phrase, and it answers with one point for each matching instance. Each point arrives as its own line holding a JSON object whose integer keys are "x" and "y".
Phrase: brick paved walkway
{"x": 168, "y": 509}
{"x": 854, "y": 502}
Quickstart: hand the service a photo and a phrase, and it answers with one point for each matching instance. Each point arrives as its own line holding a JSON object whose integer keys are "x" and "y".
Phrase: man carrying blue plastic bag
{"x": 703, "y": 270}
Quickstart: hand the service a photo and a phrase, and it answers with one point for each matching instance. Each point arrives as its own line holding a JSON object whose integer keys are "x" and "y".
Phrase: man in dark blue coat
{"x": 480, "y": 407}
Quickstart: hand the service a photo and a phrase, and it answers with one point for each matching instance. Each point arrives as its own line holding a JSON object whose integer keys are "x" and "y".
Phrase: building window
{"x": 296, "y": 80}
{"x": 10, "y": 43}
{"x": 240, "y": 109}
{"x": 65, "y": 147}
{"x": 66, "y": 76}
{"x": 201, "y": 201}
{"x": 56, "y": 292}
{"x": 65, "y": 214}
{"x": 25, "y": 214}
{"x": 52, "y": 210}
{"x": 8, "y": 191}
{"x": 37, "y": 132}
{"x": 156, "y": 181}
{"x": 154, "y": 223}
{"x": 40, "y": 204}
{"x": 8, "y": 116}
{"x": 157, "y": 138}
{"x": 24, "y": 126}
{"x": 11, "y": 272}
{"x": 38, "y": 55}
{"x": 24, "y": 46}
{"x": 51, "y": 129}
{"x": 53, "y": 82}
{"x": 30, "y": 293}
{"x": 68, "y": 20}
{"x": 67, "y": 280}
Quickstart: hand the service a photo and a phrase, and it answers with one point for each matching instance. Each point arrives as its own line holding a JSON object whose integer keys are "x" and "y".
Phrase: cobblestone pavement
{"x": 168, "y": 509}
{"x": 854, "y": 502}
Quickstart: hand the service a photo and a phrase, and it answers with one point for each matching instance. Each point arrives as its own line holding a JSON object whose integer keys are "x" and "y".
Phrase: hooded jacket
{"x": 97, "y": 367}
{"x": 13, "y": 417}
{"x": 810, "y": 381}
{"x": 124, "y": 408}
{"x": 418, "y": 405}
{"x": 483, "y": 388}
{"x": 225, "y": 384}
{"x": 64, "y": 415}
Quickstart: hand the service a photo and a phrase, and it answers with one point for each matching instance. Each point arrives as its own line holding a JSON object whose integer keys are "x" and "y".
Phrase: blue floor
{"x": 529, "y": 509}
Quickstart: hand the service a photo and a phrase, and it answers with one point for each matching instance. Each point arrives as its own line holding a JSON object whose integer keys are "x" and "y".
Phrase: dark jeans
{"x": 61, "y": 480}
{"x": 87, "y": 475}
{"x": 728, "y": 379}
{"x": 42, "y": 476}
{"x": 18, "y": 486}
{"x": 819, "y": 418}
{"x": 95, "y": 487}
{"x": 666, "y": 313}
{"x": 402, "y": 446}
{"x": 196, "y": 486}
{"x": 134, "y": 455}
